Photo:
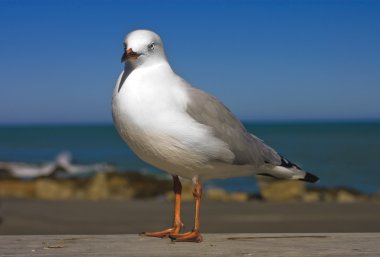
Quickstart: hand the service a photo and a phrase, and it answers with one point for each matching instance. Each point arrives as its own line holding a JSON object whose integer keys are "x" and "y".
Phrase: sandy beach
{"x": 123, "y": 217}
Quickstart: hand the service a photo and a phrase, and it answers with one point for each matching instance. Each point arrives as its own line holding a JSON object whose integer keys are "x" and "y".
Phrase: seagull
{"x": 184, "y": 131}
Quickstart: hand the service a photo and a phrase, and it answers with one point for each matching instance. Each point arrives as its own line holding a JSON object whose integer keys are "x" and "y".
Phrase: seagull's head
{"x": 141, "y": 46}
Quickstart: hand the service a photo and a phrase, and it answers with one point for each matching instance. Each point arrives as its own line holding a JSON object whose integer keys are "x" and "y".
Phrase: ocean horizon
{"x": 341, "y": 153}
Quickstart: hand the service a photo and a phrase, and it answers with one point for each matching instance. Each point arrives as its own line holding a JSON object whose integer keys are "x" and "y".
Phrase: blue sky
{"x": 266, "y": 60}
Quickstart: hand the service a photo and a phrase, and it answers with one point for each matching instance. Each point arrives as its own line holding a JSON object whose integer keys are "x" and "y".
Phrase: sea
{"x": 341, "y": 154}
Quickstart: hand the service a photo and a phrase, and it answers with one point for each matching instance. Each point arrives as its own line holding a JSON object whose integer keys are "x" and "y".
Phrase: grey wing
{"x": 247, "y": 148}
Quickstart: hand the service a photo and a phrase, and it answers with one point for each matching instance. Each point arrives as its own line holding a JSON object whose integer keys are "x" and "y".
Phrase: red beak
{"x": 129, "y": 55}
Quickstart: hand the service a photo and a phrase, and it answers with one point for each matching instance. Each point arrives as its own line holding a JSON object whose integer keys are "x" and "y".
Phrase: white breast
{"x": 150, "y": 114}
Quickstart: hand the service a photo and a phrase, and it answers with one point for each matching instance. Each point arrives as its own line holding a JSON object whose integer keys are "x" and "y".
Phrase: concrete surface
{"x": 262, "y": 245}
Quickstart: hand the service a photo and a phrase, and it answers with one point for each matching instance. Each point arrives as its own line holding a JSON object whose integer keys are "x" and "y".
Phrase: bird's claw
{"x": 187, "y": 237}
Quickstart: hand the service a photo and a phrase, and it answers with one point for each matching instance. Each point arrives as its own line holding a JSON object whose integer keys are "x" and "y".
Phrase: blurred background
{"x": 302, "y": 75}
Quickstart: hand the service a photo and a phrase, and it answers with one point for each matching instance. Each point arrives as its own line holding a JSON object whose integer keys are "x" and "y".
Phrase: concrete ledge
{"x": 292, "y": 245}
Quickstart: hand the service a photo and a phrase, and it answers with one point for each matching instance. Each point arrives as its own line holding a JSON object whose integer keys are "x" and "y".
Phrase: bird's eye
{"x": 151, "y": 46}
{"x": 125, "y": 46}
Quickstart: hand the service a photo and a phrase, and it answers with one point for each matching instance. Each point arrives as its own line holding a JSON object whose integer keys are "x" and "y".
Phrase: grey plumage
{"x": 247, "y": 148}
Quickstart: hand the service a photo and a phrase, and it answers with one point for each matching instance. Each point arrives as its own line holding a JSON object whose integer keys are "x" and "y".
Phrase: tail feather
{"x": 310, "y": 178}
{"x": 289, "y": 170}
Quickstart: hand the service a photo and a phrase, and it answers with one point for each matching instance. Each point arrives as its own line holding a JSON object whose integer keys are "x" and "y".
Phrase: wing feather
{"x": 247, "y": 148}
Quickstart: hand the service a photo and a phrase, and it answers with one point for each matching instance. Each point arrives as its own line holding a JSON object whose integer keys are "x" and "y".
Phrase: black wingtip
{"x": 288, "y": 164}
{"x": 310, "y": 178}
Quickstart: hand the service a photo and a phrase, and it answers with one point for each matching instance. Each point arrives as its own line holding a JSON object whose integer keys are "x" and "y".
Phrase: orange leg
{"x": 195, "y": 234}
{"x": 177, "y": 188}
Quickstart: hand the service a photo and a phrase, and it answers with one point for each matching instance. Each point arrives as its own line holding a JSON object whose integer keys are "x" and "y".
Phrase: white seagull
{"x": 183, "y": 130}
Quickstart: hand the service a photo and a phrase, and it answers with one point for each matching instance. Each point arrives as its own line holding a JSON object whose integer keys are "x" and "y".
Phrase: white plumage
{"x": 151, "y": 112}
{"x": 183, "y": 130}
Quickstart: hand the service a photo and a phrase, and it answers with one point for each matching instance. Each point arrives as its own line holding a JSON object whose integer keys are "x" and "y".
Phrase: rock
{"x": 239, "y": 197}
{"x": 311, "y": 196}
{"x": 145, "y": 186}
{"x": 5, "y": 173}
{"x": 341, "y": 195}
{"x": 119, "y": 188}
{"x": 217, "y": 194}
{"x": 49, "y": 189}
{"x": 98, "y": 188}
{"x": 344, "y": 196}
{"x": 281, "y": 190}
{"x": 129, "y": 185}
{"x": 328, "y": 195}
{"x": 17, "y": 189}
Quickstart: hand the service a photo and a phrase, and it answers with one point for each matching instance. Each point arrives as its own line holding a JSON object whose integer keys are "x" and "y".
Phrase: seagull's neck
{"x": 151, "y": 63}
{"x": 146, "y": 61}
{"x": 148, "y": 69}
